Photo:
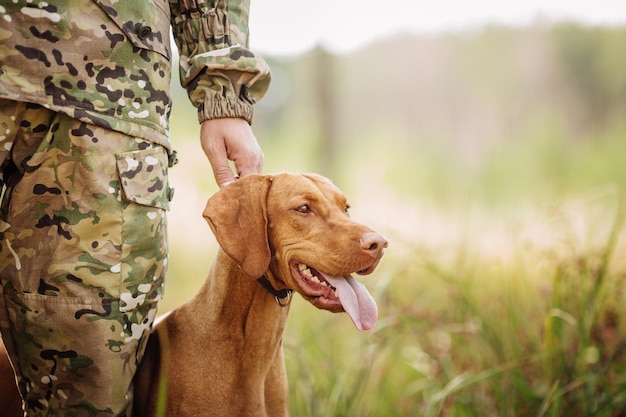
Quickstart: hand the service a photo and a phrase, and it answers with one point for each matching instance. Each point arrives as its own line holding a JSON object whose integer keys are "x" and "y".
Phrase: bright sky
{"x": 282, "y": 27}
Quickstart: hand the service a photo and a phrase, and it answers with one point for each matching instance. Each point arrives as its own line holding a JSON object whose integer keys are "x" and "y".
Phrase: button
{"x": 144, "y": 32}
{"x": 172, "y": 159}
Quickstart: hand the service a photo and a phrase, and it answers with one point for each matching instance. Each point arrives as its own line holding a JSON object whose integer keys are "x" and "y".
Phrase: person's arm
{"x": 223, "y": 79}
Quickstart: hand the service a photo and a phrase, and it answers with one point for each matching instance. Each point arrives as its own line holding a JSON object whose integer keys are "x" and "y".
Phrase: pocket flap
{"x": 143, "y": 177}
{"x": 146, "y": 23}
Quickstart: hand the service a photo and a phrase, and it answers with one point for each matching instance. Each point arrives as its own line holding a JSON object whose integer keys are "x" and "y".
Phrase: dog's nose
{"x": 373, "y": 243}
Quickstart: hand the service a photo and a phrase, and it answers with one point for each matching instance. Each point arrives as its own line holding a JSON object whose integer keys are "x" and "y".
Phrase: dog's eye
{"x": 304, "y": 209}
{"x": 346, "y": 210}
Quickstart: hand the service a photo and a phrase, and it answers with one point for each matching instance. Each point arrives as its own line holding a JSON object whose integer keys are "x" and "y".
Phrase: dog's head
{"x": 295, "y": 229}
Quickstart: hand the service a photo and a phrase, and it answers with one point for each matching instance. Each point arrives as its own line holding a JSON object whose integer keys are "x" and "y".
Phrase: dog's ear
{"x": 237, "y": 215}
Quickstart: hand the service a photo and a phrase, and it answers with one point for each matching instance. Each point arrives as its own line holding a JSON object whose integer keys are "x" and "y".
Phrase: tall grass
{"x": 538, "y": 332}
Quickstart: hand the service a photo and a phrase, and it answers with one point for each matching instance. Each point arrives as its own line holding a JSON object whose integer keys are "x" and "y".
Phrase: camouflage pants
{"x": 83, "y": 254}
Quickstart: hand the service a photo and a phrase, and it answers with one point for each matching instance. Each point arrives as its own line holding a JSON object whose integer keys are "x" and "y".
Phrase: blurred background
{"x": 487, "y": 141}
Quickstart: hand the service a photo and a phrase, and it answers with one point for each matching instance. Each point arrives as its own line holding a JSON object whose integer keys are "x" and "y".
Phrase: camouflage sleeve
{"x": 221, "y": 75}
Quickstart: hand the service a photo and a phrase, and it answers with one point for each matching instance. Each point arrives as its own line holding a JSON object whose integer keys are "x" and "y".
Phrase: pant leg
{"x": 82, "y": 264}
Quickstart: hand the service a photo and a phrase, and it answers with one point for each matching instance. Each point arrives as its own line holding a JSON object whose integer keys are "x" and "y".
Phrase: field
{"x": 527, "y": 325}
{"x": 502, "y": 291}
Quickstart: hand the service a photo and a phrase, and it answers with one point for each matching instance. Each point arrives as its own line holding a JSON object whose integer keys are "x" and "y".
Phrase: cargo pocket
{"x": 145, "y": 198}
{"x": 143, "y": 177}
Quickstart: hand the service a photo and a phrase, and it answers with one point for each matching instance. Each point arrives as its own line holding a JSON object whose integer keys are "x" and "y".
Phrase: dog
{"x": 220, "y": 353}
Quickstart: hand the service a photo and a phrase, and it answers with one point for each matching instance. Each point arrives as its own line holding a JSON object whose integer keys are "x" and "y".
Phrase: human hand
{"x": 232, "y": 139}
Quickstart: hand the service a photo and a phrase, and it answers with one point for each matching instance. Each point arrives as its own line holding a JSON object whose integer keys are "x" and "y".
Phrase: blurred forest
{"x": 513, "y": 110}
{"x": 463, "y": 100}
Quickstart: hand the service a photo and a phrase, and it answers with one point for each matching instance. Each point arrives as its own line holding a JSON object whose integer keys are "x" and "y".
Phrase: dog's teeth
{"x": 323, "y": 283}
{"x": 336, "y": 294}
{"x": 315, "y": 279}
{"x": 305, "y": 270}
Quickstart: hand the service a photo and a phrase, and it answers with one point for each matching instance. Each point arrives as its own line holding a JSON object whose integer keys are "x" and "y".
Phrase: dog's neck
{"x": 237, "y": 306}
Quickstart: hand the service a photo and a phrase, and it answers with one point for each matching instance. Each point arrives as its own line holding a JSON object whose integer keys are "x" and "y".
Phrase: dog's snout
{"x": 373, "y": 243}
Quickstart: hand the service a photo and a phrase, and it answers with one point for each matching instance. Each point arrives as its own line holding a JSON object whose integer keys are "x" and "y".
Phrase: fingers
{"x": 246, "y": 154}
{"x": 230, "y": 139}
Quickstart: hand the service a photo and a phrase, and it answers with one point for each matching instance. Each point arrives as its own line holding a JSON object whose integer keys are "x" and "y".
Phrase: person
{"x": 84, "y": 154}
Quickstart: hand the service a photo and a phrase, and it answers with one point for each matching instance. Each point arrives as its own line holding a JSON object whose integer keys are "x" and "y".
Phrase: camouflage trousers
{"x": 83, "y": 255}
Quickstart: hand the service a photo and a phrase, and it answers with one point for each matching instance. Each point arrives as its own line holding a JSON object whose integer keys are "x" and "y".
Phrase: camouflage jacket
{"x": 107, "y": 62}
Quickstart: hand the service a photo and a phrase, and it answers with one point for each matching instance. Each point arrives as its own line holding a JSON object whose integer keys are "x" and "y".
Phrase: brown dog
{"x": 220, "y": 354}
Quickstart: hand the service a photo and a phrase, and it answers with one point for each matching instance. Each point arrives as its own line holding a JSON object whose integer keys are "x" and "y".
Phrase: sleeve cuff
{"x": 221, "y": 108}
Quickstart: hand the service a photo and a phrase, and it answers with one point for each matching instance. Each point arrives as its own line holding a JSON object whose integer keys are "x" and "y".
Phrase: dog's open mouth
{"x": 337, "y": 293}
{"x": 316, "y": 280}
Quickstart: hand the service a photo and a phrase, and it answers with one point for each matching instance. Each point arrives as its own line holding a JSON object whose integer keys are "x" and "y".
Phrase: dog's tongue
{"x": 356, "y": 300}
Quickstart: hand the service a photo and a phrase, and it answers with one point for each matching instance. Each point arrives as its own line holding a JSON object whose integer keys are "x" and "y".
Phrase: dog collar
{"x": 282, "y": 297}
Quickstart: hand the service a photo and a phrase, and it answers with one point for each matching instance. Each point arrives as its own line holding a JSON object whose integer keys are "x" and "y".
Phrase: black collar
{"x": 279, "y": 295}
